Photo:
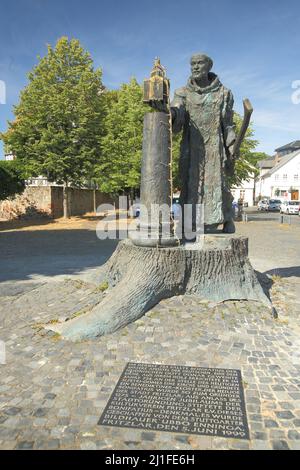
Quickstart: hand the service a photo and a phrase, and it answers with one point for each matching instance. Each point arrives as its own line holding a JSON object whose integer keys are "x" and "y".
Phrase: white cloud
{"x": 278, "y": 120}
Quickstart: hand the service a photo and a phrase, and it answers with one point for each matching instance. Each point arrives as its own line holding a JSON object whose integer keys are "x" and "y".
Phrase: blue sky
{"x": 255, "y": 47}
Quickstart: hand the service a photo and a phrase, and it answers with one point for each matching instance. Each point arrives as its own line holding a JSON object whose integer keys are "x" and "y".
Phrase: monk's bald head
{"x": 203, "y": 58}
{"x": 201, "y": 65}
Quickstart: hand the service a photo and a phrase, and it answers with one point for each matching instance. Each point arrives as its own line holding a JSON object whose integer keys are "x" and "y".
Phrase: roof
{"x": 283, "y": 161}
{"x": 267, "y": 163}
{"x": 292, "y": 145}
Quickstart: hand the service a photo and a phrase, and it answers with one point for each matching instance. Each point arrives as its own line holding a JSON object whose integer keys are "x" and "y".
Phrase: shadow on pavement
{"x": 292, "y": 271}
{"x": 34, "y": 254}
{"x": 265, "y": 282}
{"x": 23, "y": 223}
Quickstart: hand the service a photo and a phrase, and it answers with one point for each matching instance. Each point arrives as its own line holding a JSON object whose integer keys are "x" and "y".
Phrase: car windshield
{"x": 294, "y": 203}
{"x": 275, "y": 201}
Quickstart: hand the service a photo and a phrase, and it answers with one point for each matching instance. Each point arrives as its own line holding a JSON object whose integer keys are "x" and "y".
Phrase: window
{"x": 276, "y": 177}
{"x": 296, "y": 177}
{"x": 285, "y": 176}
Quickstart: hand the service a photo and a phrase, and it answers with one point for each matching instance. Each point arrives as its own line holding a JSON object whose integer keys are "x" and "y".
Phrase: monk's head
{"x": 201, "y": 65}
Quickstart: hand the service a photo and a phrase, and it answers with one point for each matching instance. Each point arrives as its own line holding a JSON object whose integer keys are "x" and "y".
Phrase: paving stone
{"x": 270, "y": 423}
{"x": 12, "y": 411}
{"x": 25, "y": 445}
{"x": 255, "y": 417}
{"x": 240, "y": 445}
{"x": 286, "y": 405}
{"x": 40, "y": 412}
{"x": 50, "y": 396}
{"x": 293, "y": 435}
{"x": 259, "y": 436}
{"x": 53, "y": 444}
{"x": 183, "y": 439}
{"x": 280, "y": 445}
{"x": 295, "y": 395}
{"x": 294, "y": 445}
{"x": 277, "y": 434}
{"x": 88, "y": 445}
{"x": 260, "y": 445}
{"x": 148, "y": 436}
{"x": 284, "y": 415}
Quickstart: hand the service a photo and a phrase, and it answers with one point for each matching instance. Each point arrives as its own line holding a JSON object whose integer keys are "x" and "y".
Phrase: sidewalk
{"x": 53, "y": 391}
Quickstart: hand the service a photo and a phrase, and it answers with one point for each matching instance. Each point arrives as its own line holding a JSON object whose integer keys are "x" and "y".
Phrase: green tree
{"x": 119, "y": 169}
{"x": 246, "y": 164}
{"x": 11, "y": 179}
{"x": 59, "y": 120}
{"x": 176, "y": 142}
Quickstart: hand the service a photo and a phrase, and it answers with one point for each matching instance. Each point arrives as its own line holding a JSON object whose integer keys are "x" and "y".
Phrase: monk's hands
{"x": 159, "y": 106}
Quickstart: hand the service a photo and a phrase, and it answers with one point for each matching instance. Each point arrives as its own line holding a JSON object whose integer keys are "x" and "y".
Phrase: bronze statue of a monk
{"x": 203, "y": 109}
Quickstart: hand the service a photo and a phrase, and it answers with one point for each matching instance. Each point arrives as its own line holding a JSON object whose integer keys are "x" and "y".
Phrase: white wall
{"x": 9, "y": 157}
{"x": 244, "y": 191}
{"x": 283, "y": 179}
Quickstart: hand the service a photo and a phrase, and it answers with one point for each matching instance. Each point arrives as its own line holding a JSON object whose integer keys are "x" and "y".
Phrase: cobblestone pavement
{"x": 52, "y": 392}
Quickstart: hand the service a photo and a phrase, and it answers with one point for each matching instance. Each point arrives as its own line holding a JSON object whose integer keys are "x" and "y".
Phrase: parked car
{"x": 274, "y": 205}
{"x": 263, "y": 205}
{"x": 290, "y": 207}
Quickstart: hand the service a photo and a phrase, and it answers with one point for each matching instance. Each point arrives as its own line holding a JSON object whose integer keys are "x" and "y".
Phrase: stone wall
{"x": 40, "y": 197}
{"x": 57, "y": 202}
{"x": 47, "y": 201}
{"x": 81, "y": 201}
{"x": 33, "y": 202}
{"x": 102, "y": 198}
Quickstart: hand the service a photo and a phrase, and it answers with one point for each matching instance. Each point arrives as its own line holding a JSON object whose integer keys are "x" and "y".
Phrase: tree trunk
{"x": 94, "y": 202}
{"x": 66, "y": 201}
{"x": 140, "y": 277}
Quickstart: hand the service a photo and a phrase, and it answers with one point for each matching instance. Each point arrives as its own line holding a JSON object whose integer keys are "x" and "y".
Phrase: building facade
{"x": 8, "y": 157}
{"x": 281, "y": 178}
{"x": 245, "y": 192}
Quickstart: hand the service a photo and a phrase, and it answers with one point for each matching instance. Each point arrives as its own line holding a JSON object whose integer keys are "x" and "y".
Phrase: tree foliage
{"x": 58, "y": 121}
{"x": 70, "y": 129}
{"x": 246, "y": 164}
{"x": 120, "y": 166}
{"x": 11, "y": 179}
{"x": 176, "y": 143}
